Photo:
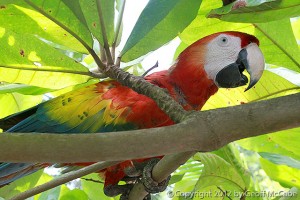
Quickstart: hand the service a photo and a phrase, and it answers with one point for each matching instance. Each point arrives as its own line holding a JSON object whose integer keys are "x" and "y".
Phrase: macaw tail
{"x": 11, "y": 120}
{"x": 10, "y": 172}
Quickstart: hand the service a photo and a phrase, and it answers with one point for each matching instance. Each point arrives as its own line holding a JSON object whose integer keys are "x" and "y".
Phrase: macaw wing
{"x": 85, "y": 110}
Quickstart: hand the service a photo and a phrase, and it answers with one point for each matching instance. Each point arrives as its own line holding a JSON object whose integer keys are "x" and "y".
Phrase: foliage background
{"x": 46, "y": 47}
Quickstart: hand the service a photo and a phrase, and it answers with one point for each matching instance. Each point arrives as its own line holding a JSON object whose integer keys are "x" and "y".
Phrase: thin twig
{"x": 64, "y": 179}
{"x": 104, "y": 35}
{"x": 151, "y": 68}
{"x": 88, "y": 48}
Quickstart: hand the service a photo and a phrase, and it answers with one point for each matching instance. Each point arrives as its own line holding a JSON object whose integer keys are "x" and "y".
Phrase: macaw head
{"x": 224, "y": 57}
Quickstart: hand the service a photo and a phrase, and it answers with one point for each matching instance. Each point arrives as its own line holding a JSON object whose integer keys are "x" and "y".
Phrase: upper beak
{"x": 254, "y": 64}
{"x": 249, "y": 58}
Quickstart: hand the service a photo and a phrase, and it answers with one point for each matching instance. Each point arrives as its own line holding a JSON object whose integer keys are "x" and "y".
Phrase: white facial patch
{"x": 221, "y": 51}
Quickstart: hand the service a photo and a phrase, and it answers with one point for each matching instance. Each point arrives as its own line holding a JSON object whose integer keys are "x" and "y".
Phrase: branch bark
{"x": 204, "y": 131}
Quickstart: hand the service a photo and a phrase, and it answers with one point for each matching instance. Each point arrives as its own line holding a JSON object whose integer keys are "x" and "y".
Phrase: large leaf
{"x": 28, "y": 52}
{"x": 269, "y": 86}
{"x": 23, "y": 89}
{"x": 280, "y": 160}
{"x": 61, "y": 13}
{"x": 286, "y": 176}
{"x": 14, "y": 102}
{"x": 277, "y": 40}
{"x": 92, "y": 188}
{"x": 19, "y": 17}
{"x": 90, "y": 11}
{"x": 219, "y": 173}
{"x": 265, "y": 143}
{"x": 157, "y": 25}
{"x": 20, "y": 185}
{"x": 256, "y": 11}
{"x": 75, "y": 194}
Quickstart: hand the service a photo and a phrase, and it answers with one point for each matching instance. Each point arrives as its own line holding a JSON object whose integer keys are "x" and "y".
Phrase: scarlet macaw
{"x": 217, "y": 60}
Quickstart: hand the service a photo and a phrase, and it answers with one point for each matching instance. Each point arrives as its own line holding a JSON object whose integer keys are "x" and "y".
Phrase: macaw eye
{"x": 223, "y": 41}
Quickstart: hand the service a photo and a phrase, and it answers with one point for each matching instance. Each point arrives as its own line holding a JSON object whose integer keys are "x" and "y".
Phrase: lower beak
{"x": 249, "y": 58}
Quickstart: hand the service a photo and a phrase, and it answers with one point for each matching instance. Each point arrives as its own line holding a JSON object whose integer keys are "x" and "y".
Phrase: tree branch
{"x": 166, "y": 166}
{"x": 64, "y": 179}
{"x": 140, "y": 85}
{"x": 205, "y": 131}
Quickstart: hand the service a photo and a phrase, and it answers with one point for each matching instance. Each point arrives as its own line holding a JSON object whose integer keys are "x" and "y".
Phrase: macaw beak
{"x": 249, "y": 58}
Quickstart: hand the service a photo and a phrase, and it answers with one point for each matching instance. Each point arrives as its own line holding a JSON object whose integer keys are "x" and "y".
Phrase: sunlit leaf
{"x": 20, "y": 185}
{"x": 15, "y": 102}
{"x": 75, "y": 194}
{"x": 280, "y": 159}
{"x": 219, "y": 173}
{"x": 60, "y": 12}
{"x": 93, "y": 187}
{"x": 292, "y": 194}
{"x": 90, "y": 11}
{"x": 256, "y": 11}
{"x": 27, "y": 52}
{"x": 23, "y": 89}
{"x": 50, "y": 194}
{"x": 19, "y": 17}
{"x": 162, "y": 25}
{"x": 269, "y": 86}
{"x": 285, "y": 175}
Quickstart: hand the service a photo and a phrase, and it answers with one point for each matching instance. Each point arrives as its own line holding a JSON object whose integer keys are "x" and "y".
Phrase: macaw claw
{"x": 151, "y": 185}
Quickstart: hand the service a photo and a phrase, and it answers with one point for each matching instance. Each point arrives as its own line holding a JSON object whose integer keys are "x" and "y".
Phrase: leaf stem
{"x": 88, "y": 48}
{"x": 57, "y": 71}
{"x": 118, "y": 27}
{"x": 104, "y": 35}
{"x": 278, "y": 45}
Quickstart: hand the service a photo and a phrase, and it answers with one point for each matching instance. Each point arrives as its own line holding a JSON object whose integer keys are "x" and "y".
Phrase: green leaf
{"x": 269, "y": 86}
{"x": 289, "y": 139}
{"x": 93, "y": 189}
{"x": 285, "y": 143}
{"x": 277, "y": 40}
{"x": 51, "y": 194}
{"x": 219, "y": 173}
{"x": 61, "y": 14}
{"x": 257, "y": 11}
{"x": 15, "y": 102}
{"x": 26, "y": 54}
{"x": 75, "y": 194}
{"x": 286, "y": 176}
{"x": 90, "y": 11}
{"x": 157, "y": 25}
{"x": 279, "y": 44}
{"x": 296, "y": 28}
{"x": 19, "y": 17}
{"x": 292, "y": 194}
{"x": 20, "y": 185}
{"x": 280, "y": 159}
{"x": 23, "y": 89}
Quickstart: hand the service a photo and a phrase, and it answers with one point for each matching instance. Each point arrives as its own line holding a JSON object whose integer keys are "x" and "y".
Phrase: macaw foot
{"x": 115, "y": 190}
{"x": 124, "y": 190}
{"x": 151, "y": 185}
{"x": 141, "y": 172}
